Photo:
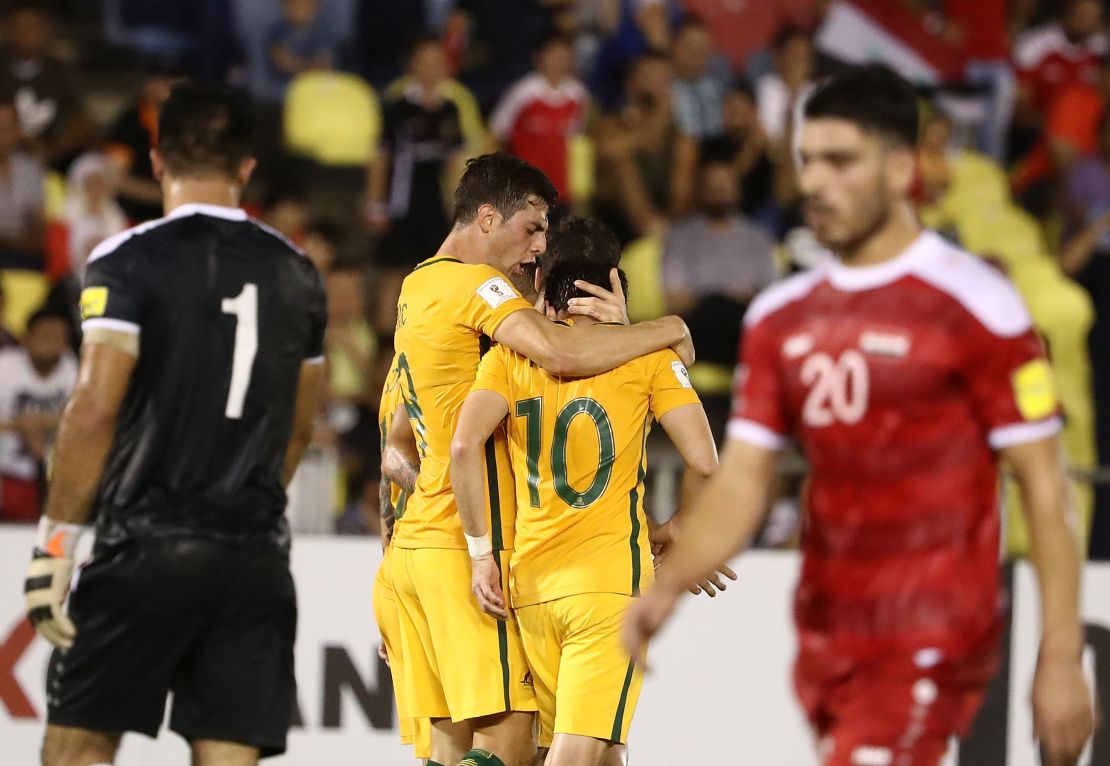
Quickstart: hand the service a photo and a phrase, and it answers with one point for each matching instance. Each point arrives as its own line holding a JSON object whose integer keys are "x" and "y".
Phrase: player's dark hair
{"x": 873, "y": 97}
{"x": 788, "y": 33}
{"x": 582, "y": 239}
{"x": 559, "y": 281}
{"x": 503, "y": 181}
{"x": 423, "y": 40}
{"x": 43, "y": 314}
{"x": 552, "y": 37}
{"x": 205, "y": 129}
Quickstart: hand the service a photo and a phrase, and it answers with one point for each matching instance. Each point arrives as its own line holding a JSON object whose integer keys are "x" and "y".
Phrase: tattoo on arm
{"x": 386, "y": 509}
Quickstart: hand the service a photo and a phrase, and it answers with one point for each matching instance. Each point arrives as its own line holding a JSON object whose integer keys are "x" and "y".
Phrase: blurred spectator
{"x": 779, "y": 92}
{"x": 7, "y": 339}
{"x": 50, "y": 109}
{"x": 351, "y": 352}
{"x": 299, "y": 42}
{"x": 632, "y": 28}
{"x": 386, "y": 29}
{"x": 285, "y": 209}
{"x": 645, "y": 166}
{"x": 422, "y": 138}
{"x": 714, "y": 262}
{"x": 502, "y": 42}
{"x": 321, "y": 243}
{"x": 743, "y": 29}
{"x": 22, "y": 214}
{"x": 35, "y": 383}
{"x": 1057, "y": 54}
{"x": 697, "y": 94}
{"x": 540, "y": 113}
{"x": 1070, "y": 131}
{"x": 91, "y": 213}
{"x": 129, "y": 143}
{"x": 768, "y": 185}
{"x": 979, "y": 29}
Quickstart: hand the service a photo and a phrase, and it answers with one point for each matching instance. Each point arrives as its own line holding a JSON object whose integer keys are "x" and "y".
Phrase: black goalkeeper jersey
{"x": 226, "y": 311}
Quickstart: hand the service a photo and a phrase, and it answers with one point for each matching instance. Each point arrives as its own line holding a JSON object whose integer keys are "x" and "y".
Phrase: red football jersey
{"x": 900, "y": 381}
{"x": 535, "y": 121}
{"x": 1047, "y": 60}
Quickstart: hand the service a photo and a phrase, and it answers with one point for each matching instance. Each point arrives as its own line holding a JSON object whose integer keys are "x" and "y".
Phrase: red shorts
{"x": 20, "y": 499}
{"x": 893, "y": 711}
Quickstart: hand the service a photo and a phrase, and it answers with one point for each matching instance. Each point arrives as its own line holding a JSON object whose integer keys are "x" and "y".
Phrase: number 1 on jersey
{"x": 244, "y": 307}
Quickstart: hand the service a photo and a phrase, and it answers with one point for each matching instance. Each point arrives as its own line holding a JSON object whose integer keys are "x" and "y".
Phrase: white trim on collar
{"x": 857, "y": 278}
{"x": 216, "y": 211}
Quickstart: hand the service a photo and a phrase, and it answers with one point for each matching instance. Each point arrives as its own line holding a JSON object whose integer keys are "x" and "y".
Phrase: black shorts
{"x": 213, "y": 624}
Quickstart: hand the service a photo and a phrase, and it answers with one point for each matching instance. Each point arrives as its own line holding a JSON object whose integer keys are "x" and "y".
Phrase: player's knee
{"x": 66, "y": 746}
{"x": 509, "y": 736}
{"x": 450, "y": 741}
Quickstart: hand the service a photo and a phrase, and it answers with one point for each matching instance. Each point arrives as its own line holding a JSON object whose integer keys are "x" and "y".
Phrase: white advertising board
{"x": 719, "y": 685}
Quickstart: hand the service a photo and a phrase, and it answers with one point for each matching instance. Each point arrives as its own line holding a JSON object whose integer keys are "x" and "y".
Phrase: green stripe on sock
{"x": 618, "y": 720}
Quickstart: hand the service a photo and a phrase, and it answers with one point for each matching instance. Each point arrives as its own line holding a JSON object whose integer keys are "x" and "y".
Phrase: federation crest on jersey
{"x": 681, "y": 374}
{"x": 890, "y": 344}
{"x": 495, "y": 291}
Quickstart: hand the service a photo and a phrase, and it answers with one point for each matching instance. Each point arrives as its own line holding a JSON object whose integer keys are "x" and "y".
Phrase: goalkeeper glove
{"x": 48, "y": 581}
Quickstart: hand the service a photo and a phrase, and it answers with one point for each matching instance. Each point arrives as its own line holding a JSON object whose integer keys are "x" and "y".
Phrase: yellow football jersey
{"x": 445, "y": 308}
{"x": 577, "y": 447}
{"x": 391, "y": 396}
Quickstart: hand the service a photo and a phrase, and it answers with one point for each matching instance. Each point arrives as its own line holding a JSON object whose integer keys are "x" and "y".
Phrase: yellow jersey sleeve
{"x": 670, "y": 383}
{"x": 493, "y": 373}
{"x": 489, "y": 299}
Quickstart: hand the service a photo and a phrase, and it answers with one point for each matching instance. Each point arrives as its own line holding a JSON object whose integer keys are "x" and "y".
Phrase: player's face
{"x": 520, "y": 239}
{"x": 850, "y": 179}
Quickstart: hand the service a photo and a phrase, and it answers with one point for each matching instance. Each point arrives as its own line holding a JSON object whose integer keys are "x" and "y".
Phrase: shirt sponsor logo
{"x": 681, "y": 374}
{"x": 1034, "y": 390}
{"x": 885, "y": 344}
{"x": 94, "y": 302}
{"x": 797, "y": 345}
{"x": 495, "y": 291}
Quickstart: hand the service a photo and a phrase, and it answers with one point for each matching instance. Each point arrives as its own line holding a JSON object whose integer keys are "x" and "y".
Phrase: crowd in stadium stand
{"x": 673, "y": 121}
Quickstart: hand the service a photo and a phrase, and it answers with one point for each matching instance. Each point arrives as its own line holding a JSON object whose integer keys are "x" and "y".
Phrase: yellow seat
{"x": 332, "y": 117}
{"x": 642, "y": 262}
{"x": 24, "y": 293}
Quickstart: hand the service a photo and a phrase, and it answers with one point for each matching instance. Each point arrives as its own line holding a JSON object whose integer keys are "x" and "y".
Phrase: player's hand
{"x": 644, "y": 618}
{"x": 44, "y": 592}
{"x": 662, "y": 536}
{"x": 606, "y": 305}
{"x": 485, "y": 582}
{"x": 1063, "y": 717}
{"x": 712, "y": 584}
{"x": 48, "y": 580}
{"x": 382, "y": 653}
{"x": 685, "y": 347}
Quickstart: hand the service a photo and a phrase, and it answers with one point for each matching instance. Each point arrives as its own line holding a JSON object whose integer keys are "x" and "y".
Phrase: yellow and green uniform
{"x": 459, "y": 662}
{"x": 577, "y": 447}
{"x": 414, "y": 731}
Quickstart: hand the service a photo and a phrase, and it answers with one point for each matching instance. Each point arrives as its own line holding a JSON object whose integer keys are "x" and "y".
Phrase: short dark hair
{"x": 582, "y": 239}
{"x": 559, "y": 281}
{"x": 205, "y": 129}
{"x": 873, "y": 97}
{"x": 44, "y": 314}
{"x": 501, "y": 180}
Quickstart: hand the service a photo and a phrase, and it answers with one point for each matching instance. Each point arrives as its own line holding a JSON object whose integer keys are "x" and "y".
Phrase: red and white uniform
{"x": 1047, "y": 61}
{"x": 535, "y": 119}
{"x": 900, "y": 381}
